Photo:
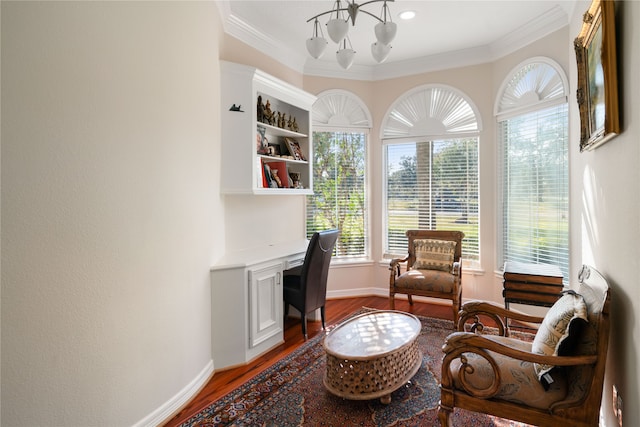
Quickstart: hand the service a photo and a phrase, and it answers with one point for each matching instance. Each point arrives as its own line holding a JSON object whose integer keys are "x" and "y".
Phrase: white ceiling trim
{"x": 539, "y": 27}
{"x": 243, "y": 31}
{"x": 535, "y": 29}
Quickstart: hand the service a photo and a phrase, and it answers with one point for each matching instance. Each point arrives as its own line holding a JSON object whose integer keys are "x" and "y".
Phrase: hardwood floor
{"x": 223, "y": 382}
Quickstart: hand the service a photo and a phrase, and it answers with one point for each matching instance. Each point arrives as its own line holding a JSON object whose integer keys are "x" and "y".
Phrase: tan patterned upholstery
{"x": 433, "y": 267}
{"x": 519, "y": 380}
{"x": 434, "y": 254}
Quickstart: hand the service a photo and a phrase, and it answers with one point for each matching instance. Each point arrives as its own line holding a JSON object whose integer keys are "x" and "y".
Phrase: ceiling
{"x": 444, "y": 33}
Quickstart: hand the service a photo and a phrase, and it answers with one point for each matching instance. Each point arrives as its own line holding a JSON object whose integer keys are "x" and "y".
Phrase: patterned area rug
{"x": 291, "y": 393}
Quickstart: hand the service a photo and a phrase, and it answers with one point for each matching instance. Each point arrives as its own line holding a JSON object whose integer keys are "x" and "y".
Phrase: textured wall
{"x": 605, "y": 212}
{"x": 109, "y": 196}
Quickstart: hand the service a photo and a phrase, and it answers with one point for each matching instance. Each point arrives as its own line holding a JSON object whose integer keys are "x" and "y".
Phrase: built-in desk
{"x": 246, "y": 301}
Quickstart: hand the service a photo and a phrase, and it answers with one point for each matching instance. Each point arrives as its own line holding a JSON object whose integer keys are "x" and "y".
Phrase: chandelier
{"x": 338, "y": 27}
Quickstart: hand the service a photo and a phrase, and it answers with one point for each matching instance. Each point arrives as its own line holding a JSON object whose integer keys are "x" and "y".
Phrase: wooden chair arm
{"x": 394, "y": 266}
{"x": 459, "y": 342}
{"x": 457, "y": 267}
{"x": 396, "y": 261}
{"x": 473, "y": 309}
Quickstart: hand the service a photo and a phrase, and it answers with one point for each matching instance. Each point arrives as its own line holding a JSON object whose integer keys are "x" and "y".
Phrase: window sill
{"x": 472, "y": 269}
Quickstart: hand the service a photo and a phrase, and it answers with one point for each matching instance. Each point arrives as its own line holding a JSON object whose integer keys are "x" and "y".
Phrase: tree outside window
{"x": 432, "y": 185}
{"x": 339, "y": 199}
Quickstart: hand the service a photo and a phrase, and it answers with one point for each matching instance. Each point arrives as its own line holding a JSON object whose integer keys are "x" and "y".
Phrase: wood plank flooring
{"x": 224, "y": 381}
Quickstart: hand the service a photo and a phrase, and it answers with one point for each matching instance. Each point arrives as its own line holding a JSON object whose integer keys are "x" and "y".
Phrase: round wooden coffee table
{"x": 371, "y": 355}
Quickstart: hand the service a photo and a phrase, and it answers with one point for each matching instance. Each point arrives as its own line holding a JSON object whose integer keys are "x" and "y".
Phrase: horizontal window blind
{"x": 432, "y": 185}
{"x": 339, "y": 190}
{"x": 535, "y": 187}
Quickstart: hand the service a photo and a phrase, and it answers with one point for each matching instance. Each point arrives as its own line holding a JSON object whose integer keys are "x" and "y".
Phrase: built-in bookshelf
{"x": 267, "y": 145}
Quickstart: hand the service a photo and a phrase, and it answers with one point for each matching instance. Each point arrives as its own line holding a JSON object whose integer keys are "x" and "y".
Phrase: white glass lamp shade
{"x": 337, "y": 29}
{"x": 316, "y": 46}
{"x": 385, "y": 32}
{"x": 345, "y": 57}
{"x": 380, "y": 51}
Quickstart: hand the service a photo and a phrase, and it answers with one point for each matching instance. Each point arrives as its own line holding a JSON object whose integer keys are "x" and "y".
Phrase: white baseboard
{"x": 379, "y": 292}
{"x": 174, "y": 404}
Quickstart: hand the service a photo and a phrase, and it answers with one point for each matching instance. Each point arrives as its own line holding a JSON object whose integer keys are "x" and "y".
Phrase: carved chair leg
{"x": 444, "y": 415}
{"x": 410, "y": 299}
{"x": 322, "y": 316}
{"x": 392, "y": 301}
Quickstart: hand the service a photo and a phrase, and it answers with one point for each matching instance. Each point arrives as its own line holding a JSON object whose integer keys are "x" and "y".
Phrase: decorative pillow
{"x": 434, "y": 254}
{"x": 558, "y": 330}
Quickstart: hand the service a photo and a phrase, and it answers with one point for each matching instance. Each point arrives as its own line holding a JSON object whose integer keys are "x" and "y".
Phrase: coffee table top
{"x": 372, "y": 334}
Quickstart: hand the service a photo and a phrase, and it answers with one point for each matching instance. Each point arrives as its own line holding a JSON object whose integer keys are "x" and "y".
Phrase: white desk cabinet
{"x": 246, "y": 302}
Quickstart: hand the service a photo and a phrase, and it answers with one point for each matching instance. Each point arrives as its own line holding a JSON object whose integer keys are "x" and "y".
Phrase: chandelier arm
{"x": 360, "y": 10}
{"x": 376, "y": 1}
{"x": 371, "y": 14}
{"x": 344, "y": 9}
{"x": 331, "y": 11}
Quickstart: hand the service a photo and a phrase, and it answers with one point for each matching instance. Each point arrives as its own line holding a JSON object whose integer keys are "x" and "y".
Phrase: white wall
{"x": 110, "y": 207}
{"x": 605, "y": 213}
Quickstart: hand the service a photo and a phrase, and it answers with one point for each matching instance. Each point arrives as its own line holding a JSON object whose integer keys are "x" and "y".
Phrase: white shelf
{"x": 274, "y": 130}
{"x": 242, "y": 170}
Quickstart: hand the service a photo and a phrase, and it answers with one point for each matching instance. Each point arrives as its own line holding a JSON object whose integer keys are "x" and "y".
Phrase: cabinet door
{"x": 265, "y": 303}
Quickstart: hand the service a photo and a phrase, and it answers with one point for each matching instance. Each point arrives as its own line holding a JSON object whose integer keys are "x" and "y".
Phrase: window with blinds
{"x": 432, "y": 185}
{"x": 535, "y": 187}
{"x": 339, "y": 199}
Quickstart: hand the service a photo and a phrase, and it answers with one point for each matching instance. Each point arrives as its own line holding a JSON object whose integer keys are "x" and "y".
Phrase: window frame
{"x": 366, "y": 257}
{"x": 471, "y": 264}
{"x": 509, "y": 106}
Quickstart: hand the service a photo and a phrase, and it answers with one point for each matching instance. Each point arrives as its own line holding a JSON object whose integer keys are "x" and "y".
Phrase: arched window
{"x": 341, "y": 124}
{"x": 532, "y": 118}
{"x": 430, "y": 136}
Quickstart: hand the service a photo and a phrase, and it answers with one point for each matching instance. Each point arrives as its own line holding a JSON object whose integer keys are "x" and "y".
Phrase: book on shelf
{"x": 282, "y": 173}
{"x": 260, "y": 178}
{"x": 266, "y": 173}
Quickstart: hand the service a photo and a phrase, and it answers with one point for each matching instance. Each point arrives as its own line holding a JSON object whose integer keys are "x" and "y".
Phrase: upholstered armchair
{"x": 305, "y": 287}
{"x": 433, "y": 267}
{"x": 553, "y": 380}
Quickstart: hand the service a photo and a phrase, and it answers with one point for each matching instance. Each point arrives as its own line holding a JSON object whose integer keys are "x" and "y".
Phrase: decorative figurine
{"x": 295, "y": 178}
{"x": 269, "y": 116}
{"x": 260, "y": 115}
{"x": 276, "y": 178}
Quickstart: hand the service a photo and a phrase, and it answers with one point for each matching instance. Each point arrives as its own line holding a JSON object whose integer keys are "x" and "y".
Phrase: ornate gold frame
{"x": 597, "y": 92}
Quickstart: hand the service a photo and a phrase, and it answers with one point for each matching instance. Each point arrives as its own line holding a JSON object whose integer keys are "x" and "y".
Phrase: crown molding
{"x": 246, "y": 33}
{"x": 539, "y": 27}
{"x": 555, "y": 19}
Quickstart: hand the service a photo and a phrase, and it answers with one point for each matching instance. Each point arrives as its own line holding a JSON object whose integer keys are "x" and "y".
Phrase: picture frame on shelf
{"x": 274, "y": 150}
{"x": 597, "y": 92}
{"x": 294, "y": 148}
{"x": 262, "y": 143}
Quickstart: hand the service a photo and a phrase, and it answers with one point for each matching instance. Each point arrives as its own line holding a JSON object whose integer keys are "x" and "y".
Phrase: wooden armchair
{"x": 518, "y": 380}
{"x": 433, "y": 270}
